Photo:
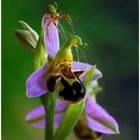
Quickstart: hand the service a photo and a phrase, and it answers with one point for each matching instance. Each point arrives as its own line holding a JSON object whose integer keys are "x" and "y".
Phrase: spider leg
{"x": 56, "y": 6}
{"x": 68, "y": 19}
{"x": 61, "y": 32}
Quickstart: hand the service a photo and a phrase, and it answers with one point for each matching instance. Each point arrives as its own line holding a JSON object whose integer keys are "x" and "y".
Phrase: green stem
{"x": 48, "y": 101}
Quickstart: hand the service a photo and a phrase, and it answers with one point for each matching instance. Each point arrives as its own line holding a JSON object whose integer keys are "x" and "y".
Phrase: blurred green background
{"x": 111, "y": 30}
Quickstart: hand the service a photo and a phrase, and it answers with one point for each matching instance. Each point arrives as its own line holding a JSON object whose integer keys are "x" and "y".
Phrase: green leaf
{"x": 89, "y": 76}
{"x": 69, "y": 121}
{"x": 25, "y": 26}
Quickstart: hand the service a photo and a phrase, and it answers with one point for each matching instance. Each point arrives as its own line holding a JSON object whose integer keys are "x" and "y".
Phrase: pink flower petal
{"x": 35, "y": 85}
{"x": 51, "y": 38}
{"x": 36, "y": 117}
{"x": 85, "y": 67}
{"x": 98, "y": 119}
{"x": 41, "y": 123}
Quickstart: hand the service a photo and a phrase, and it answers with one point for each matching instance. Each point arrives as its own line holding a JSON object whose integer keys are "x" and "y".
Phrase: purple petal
{"x": 85, "y": 67}
{"x": 35, "y": 85}
{"x": 41, "y": 123}
{"x": 51, "y": 38}
{"x": 36, "y": 117}
{"x": 98, "y": 119}
{"x": 36, "y": 113}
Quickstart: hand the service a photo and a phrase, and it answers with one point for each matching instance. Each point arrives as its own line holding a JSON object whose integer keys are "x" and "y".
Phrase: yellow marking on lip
{"x": 67, "y": 58}
{"x": 58, "y": 65}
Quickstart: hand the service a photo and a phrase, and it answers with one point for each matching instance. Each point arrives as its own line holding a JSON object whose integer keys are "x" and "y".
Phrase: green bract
{"x": 88, "y": 76}
{"x": 69, "y": 120}
{"x": 40, "y": 56}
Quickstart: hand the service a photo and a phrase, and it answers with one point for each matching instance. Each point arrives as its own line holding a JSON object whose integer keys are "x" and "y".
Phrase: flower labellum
{"x": 60, "y": 68}
{"x": 71, "y": 88}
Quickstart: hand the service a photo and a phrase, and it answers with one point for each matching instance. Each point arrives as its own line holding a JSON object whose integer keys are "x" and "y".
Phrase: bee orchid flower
{"x": 60, "y": 67}
{"x": 63, "y": 82}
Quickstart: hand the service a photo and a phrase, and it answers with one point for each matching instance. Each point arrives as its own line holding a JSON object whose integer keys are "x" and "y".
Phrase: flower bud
{"x": 26, "y": 36}
{"x": 26, "y": 39}
{"x": 25, "y": 26}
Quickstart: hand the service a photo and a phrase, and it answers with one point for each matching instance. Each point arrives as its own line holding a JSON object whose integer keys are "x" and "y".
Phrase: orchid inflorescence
{"x": 67, "y": 88}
